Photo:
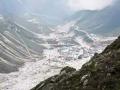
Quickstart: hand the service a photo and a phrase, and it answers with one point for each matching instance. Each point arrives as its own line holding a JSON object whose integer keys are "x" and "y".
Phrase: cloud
{"x": 88, "y": 4}
{"x": 20, "y": 1}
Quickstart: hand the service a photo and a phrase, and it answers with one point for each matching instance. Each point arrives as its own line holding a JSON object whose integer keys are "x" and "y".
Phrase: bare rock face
{"x": 102, "y": 72}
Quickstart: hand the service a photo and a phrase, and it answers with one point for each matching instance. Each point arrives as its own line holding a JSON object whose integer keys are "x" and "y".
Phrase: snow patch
{"x": 65, "y": 28}
{"x": 34, "y": 21}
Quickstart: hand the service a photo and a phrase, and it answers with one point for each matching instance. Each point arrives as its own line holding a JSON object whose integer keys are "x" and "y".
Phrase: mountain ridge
{"x": 101, "y": 22}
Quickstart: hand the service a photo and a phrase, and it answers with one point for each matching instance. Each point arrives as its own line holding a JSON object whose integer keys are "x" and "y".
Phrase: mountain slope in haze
{"x": 19, "y": 43}
{"x": 25, "y": 38}
{"x": 102, "y": 72}
{"x": 12, "y": 7}
{"x": 63, "y": 47}
{"x": 104, "y": 22}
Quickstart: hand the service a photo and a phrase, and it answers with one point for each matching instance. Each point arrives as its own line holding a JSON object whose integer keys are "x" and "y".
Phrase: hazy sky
{"x": 53, "y": 8}
{"x": 62, "y": 8}
{"x": 69, "y": 4}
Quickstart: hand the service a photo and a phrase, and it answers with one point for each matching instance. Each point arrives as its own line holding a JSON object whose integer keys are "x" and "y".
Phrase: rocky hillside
{"x": 102, "y": 72}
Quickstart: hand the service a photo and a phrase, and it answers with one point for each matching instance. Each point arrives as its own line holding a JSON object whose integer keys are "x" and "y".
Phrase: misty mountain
{"x": 48, "y": 13}
{"x": 104, "y": 22}
{"x": 31, "y": 32}
{"x": 41, "y": 50}
{"x": 36, "y": 42}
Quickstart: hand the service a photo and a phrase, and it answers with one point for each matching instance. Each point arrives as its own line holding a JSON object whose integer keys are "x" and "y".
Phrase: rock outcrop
{"x": 102, "y": 72}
